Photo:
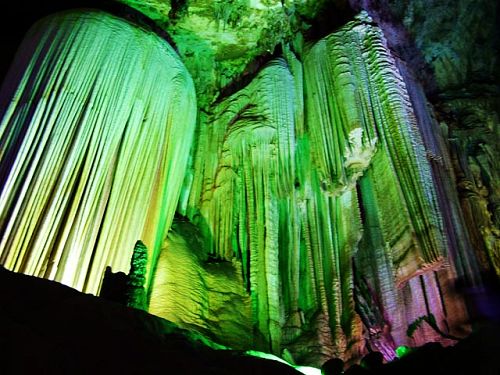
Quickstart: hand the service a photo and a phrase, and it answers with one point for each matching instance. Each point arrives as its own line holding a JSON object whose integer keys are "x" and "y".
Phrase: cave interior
{"x": 305, "y": 178}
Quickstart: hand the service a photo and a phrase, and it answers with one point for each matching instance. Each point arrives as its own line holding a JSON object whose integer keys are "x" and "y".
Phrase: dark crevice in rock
{"x": 249, "y": 73}
{"x": 179, "y": 9}
{"x": 325, "y": 17}
{"x": 399, "y": 40}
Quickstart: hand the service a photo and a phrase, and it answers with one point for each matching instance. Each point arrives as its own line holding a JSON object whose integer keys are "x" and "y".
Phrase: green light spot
{"x": 402, "y": 351}
{"x": 308, "y": 370}
{"x": 256, "y": 353}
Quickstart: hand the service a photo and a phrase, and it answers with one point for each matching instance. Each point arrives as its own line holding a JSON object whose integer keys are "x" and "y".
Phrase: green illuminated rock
{"x": 220, "y": 40}
{"x": 136, "y": 292}
{"x": 91, "y": 147}
{"x": 308, "y": 168}
{"x": 207, "y": 297}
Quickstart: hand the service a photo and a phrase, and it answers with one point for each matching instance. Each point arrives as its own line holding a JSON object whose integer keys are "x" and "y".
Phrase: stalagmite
{"x": 94, "y": 144}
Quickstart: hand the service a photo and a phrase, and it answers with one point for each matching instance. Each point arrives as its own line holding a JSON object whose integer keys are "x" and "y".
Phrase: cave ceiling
{"x": 223, "y": 41}
{"x": 451, "y": 44}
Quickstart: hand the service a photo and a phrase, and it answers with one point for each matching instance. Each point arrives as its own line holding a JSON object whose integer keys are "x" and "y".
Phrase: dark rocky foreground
{"x": 48, "y": 328}
{"x": 478, "y": 354}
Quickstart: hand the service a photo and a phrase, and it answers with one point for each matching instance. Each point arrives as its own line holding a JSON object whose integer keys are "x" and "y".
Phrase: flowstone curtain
{"x": 93, "y": 145}
{"x": 359, "y": 107}
{"x": 243, "y": 188}
{"x": 363, "y": 126}
{"x": 313, "y": 165}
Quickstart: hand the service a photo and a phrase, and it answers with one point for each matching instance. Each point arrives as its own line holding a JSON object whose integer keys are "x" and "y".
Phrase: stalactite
{"x": 367, "y": 105}
{"x": 307, "y": 168}
{"x": 404, "y": 234}
{"x": 246, "y": 155}
{"x": 93, "y": 147}
{"x": 433, "y": 135}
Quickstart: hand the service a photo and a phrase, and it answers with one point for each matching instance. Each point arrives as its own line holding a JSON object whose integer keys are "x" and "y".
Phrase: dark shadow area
{"x": 477, "y": 354}
{"x": 18, "y": 18}
{"x": 324, "y": 17}
{"x": 49, "y": 328}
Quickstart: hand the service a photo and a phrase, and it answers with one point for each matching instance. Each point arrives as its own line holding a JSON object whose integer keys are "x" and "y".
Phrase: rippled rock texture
{"x": 310, "y": 170}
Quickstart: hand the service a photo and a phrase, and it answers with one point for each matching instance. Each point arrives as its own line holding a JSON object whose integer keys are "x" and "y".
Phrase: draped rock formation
{"x": 92, "y": 151}
{"x": 312, "y": 168}
{"x": 205, "y": 296}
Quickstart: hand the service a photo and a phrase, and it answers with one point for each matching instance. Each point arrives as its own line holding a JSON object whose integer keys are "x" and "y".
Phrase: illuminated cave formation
{"x": 92, "y": 154}
{"x": 315, "y": 212}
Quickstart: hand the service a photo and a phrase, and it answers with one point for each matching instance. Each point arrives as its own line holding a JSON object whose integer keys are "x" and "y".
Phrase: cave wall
{"x": 314, "y": 166}
{"x": 451, "y": 48}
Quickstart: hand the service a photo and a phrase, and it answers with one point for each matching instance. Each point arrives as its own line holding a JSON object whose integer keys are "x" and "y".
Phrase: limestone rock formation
{"x": 91, "y": 151}
{"x": 309, "y": 168}
{"x": 454, "y": 48}
{"x": 198, "y": 294}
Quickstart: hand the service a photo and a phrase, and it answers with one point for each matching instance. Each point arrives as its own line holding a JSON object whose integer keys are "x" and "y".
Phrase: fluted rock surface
{"x": 313, "y": 213}
{"x": 312, "y": 167}
{"x": 207, "y": 297}
{"x": 93, "y": 147}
